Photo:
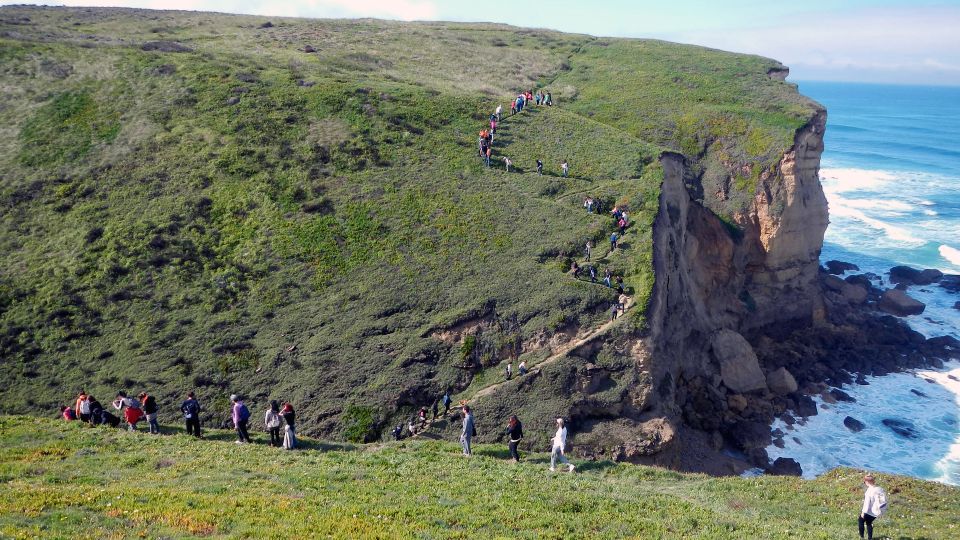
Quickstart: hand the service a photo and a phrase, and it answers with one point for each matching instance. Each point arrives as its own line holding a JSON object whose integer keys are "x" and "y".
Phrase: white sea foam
{"x": 841, "y": 208}
{"x": 845, "y": 179}
{"x": 950, "y": 254}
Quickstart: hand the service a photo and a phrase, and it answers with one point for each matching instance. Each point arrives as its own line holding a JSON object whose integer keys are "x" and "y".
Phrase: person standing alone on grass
{"x": 565, "y": 168}
{"x": 290, "y": 432}
{"x": 874, "y": 505}
{"x": 559, "y": 442}
{"x": 191, "y": 414}
{"x": 539, "y": 168}
{"x": 515, "y": 434}
{"x": 498, "y": 111}
{"x": 150, "y": 410}
{"x": 588, "y": 249}
{"x": 507, "y": 162}
{"x": 469, "y": 430}
{"x": 272, "y": 421}
{"x": 240, "y": 415}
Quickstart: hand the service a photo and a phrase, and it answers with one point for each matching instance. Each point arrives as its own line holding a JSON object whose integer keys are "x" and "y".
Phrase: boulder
{"x": 267, "y": 24}
{"x": 739, "y": 367}
{"x": 737, "y": 402}
{"x": 785, "y": 467}
{"x": 950, "y": 282}
{"x": 853, "y": 424}
{"x": 840, "y": 395}
{"x": 863, "y": 280}
{"x": 904, "y": 274}
{"x": 781, "y": 382}
{"x": 896, "y": 302}
{"x": 748, "y": 435}
{"x": 854, "y": 294}
{"x": 902, "y": 428}
{"x": 929, "y": 276}
{"x": 232, "y": 101}
{"x": 833, "y": 282}
{"x": 806, "y": 406}
{"x": 309, "y": 49}
{"x": 840, "y": 267}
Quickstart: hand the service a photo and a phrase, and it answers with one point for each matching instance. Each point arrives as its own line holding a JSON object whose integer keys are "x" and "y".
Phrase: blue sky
{"x": 897, "y": 41}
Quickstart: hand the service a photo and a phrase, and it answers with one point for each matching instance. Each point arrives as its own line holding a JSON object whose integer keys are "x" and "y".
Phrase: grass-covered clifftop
{"x": 193, "y": 201}
{"x": 73, "y": 481}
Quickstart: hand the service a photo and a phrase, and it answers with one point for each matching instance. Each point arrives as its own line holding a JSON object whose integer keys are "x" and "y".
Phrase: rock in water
{"x": 916, "y": 392}
{"x": 781, "y": 382}
{"x": 929, "y": 276}
{"x": 840, "y": 395}
{"x": 951, "y": 282}
{"x": 855, "y": 294}
{"x": 902, "y": 428}
{"x": 840, "y": 267}
{"x": 785, "y": 467}
{"x": 896, "y": 302}
{"x": 806, "y": 406}
{"x": 739, "y": 367}
{"x": 853, "y": 424}
{"x": 912, "y": 276}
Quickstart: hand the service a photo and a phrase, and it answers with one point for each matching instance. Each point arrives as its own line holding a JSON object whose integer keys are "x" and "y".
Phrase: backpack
{"x": 244, "y": 413}
{"x": 191, "y": 408}
{"x": 882, "y": 496}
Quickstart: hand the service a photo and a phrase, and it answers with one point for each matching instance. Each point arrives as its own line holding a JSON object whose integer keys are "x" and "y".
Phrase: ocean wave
{"x": 950, "y": 254}
{"x": 841, "y": 180}
{"x": 891, "y": 231}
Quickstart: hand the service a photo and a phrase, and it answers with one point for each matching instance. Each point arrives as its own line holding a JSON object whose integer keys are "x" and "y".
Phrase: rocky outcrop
{"x": 781, "y": 382}
{"x": 739, "y": 367}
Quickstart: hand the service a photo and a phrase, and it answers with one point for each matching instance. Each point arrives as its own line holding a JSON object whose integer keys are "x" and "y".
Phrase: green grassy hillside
{"x": 193, "y": 201}
{"x": 72, "y": 481}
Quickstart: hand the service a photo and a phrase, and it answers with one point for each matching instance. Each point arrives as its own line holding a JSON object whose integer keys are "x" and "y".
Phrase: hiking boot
{"x": 552, "y": 469}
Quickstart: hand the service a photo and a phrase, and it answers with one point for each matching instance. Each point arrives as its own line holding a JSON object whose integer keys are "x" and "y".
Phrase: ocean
{"x": 891, "y": 174}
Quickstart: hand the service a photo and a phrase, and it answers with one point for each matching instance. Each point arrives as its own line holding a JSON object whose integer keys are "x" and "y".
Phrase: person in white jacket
{"x": 874, "y": 505}
{"x": 559, "y": 442}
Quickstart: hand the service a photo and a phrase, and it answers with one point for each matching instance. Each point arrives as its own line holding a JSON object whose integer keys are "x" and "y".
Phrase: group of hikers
{"x": 514, "y": 429}
{"x": 144, "y": 407}
{"x": 486, "y": 135}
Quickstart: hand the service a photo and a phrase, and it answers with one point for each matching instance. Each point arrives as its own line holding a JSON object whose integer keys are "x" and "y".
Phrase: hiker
{"x": 271, "y": 419}
{"x": 446, "y": 402}
{"x": 513, "y": 108}
{"x": 623, "y": 299}
{"x": 68, "y": 413}
{"x": 423, "y": 418}
{"x": 191, "y": 414}
{"x": 498, "y": 111}
{"x": 82, "y": 408}
{"x": 488, "y": 156}
{"x": 874, "y": 505}
{"x": 588, "y": 249}
{"x": 150, "y": 410}
{"x": 435, "y": 408}
{"x": 559, "y": 442}
{"x": 509, "y": 371}
{"x": 522, "y": 368}
{"x": 536, "y": 98}
{"x": 623, "y": 226}
{"x": 614, "y": 309}
{"x": 549, "y": 100}
{"x": 615, "y": 213}
{"x": 290, "y": 432}
{"x": 514, "y": 434}
{"x": 613, "y": 241}
{"x": 620, "y": 289}
{"x": 469, "y": 430}
{"x": 96, "y": 411}
{"x": 588, "y": 204}
{"x": 412, "y": 426}
{"x": 565, "y": 168}
{"x": 130, "y": 408}
{"x": 575, "y": 270}
{"x": 507, "y": 163}
{"x": 493, "y": 123}
{"x": 593, "y": 274}
{"x": 539, "y": 168}
{"x": 607, "y": 276}
{"x": 240, "y": 415}
{"x": 397, "y": 432}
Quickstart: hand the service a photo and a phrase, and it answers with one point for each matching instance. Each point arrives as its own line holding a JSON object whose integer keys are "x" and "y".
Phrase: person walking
{"x": 271, "y": 419}
{"x": 549, "y": 100}
{"x": 507, "y": 162}
{"x": 613, "y": 241}
{"x": 397, "y": 432}
{"x": 82, "y": 407}
{"x": 522, "y": 368}
{"x": 588, "y": 249}
{"x": 489, "y": 152}
{"x": 422, "y": 416}
{"x": 150, "y": 410}
{"x": 514, "y": 434}
{"x": 435, "y": 408}
{"x": 130, "y": 408}
{"x": 446, "y": 402}
{"x": 874, "y": 505}
{"x": 289, "y": 432}
{"x": 565, "y": 168}
{"x": 607, "y": 276}
{"x": 498, "y": 111}
{"x": 559, "y": 442}
{"x": 620, "y": 288}
{"x": 539, "y": 167}
{"x": 623, "y": 299}
{"x": 509, "y": 370}
{"x": 241, "y": 415}
{"x": 469, "y": 430}
{"x": 592, "y": 270}
{"x": 191, "y": 414}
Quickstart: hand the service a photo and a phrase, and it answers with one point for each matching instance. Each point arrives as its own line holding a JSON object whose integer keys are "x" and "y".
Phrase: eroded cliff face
{"x": 717, "y": 283}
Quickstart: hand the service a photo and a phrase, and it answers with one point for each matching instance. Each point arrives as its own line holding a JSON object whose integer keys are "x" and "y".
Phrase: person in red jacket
{"x": 68, "y": 413}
